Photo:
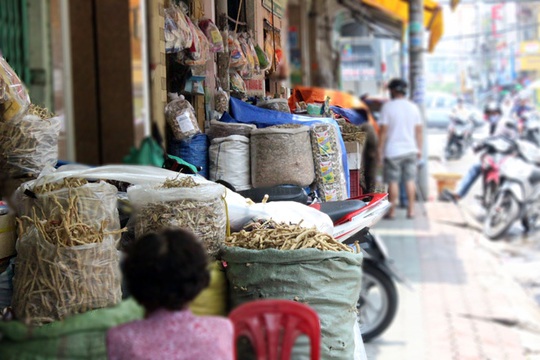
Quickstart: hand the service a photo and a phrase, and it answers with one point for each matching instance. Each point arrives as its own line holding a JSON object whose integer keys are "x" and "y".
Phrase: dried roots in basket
{"x": 281, "y": 236}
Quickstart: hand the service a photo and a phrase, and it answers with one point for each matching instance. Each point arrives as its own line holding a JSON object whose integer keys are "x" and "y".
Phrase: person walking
{"x": 400, "y": 144}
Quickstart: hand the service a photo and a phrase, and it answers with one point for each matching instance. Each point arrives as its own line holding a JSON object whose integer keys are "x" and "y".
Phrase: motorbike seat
{"x": 339, "y": 209}
{"x": 535, "y": 176}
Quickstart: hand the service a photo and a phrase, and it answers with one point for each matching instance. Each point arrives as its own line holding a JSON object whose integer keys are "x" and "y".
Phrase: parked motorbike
{"x": 352, "y": 219}
{"x": 459, "y": 138}
{"x": 518, "y": 197}
{"x": 494, "y": 151}
{"x": 530, "y": 128}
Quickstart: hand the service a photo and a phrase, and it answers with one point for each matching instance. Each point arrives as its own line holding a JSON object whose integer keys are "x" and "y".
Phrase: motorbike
{"x": 494, "y": 151}
{"x": 518, "y": 197}
{"x": 378, "y": 301}
{"x": 459, "y": 138}
{"x": 530, "y": 128}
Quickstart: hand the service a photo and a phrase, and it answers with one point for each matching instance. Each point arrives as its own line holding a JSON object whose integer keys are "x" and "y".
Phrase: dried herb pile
{"x": 182, "y": 203}
{"x": 281, "y": 155}
{"x": 281, "y": 236}
{"x": 65, "y": 265}
{"x": 29, "y": 143}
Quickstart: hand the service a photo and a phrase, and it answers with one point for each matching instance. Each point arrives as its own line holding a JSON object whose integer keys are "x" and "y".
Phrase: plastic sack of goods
{"x": 182, "y": 202}
{"x": 180, "y": 116}
{"x": 230, "y": 161}
{"x": 67, "y": 262}
{"x": 281, "y": 155}
{"x": 330, "y": 175}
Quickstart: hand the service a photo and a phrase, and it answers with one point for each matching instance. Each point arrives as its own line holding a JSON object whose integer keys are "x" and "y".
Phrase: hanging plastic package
{"x": 193, "y": 150}
{"x": 14, "y": 99}
{"x": 269, "y": 48}
{"x": 213, "y": 35}
{"x": 237, "y": 83}
{"x": 230, "y": 161}
{"x": 254, "y": 56}
{"x": 180, "y": 116}
{"x": 237, "y": 57}
{"x": 178, "y": 34}
{"x": 221, "y": 99}
{"x": 246, "y": 72}
{"x": 199, "y": 55}
{"x": 264, "y": 60}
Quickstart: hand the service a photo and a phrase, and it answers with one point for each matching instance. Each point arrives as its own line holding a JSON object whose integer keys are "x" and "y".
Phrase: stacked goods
{"x": 278, "y": 261}
{"x": 180, "y": 116}
{"x": 182, "y": 203}
{"x": 30, "y": 143}
{"x": 220, "y": 129}
{"x": 67, "y": 261}
{"x": 230, "y": 161}
{"x": 281, "y": 155}
{"x": 330, "y": 177}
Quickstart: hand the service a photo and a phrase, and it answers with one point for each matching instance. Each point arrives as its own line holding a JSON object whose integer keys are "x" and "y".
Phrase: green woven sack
{"x": 77, "y": 337}
{"x": 328, "y": 281}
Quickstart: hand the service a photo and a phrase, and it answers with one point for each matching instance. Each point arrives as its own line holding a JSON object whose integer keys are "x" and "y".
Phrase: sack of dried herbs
{"x": 230, "y": 161}
{"x": 182, "y": 203}
{"x": 330, "y": 175}
{"x": 66, "y": 264}
{"x": 49, "y": 198}
{"x": 220, "y": 129}
{"x": 180, "y": 116}
{"x": 29, "y": 144}
{"x": 281, "y": 155}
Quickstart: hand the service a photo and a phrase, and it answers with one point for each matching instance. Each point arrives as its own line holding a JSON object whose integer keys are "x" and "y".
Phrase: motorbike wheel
{"x": 489, "y": 194}
{"x": 378, "y": 302}
{"x": 501, "y": 215}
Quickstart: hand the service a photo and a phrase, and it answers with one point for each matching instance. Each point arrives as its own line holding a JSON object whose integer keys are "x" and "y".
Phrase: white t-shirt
{"x": 400, "y": 117}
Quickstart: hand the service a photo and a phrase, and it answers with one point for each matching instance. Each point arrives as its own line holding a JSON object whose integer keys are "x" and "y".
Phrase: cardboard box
{"x": 7, "y": 236}
{"x": 354, "y": 155}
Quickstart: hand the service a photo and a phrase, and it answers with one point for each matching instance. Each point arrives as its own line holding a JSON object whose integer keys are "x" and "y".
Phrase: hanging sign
{"x": 279, "y": 6}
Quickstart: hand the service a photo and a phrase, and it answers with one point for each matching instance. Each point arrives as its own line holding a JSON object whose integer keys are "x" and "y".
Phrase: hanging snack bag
{"x": 203, "y": 50}
{"x": 181, "y": 118}
{"x": 178, "y": 34}
{"x": 264, "y": 60}
{"x": 14, "y": 99}
{"x": 237, "y": 83}
{"x": 222, "y": 101}
{"x": 254, "y": 56}
{"x": 238, "y": 59}
{"x": 213, "y": 35}
{"x": 247, "y": 70}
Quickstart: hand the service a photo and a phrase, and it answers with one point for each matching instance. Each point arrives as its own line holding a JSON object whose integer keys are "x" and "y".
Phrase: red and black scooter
{"x": 353, "y": 218}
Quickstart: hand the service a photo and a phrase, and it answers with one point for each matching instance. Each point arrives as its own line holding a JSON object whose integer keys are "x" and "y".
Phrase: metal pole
{"x": 416, "y": 76}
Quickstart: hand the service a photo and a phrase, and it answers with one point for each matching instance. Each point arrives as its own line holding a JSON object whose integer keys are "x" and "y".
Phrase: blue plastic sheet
{"x": 243, "y": 113}
{"x": 353, "y": 116}
{"x": 193, "y": 150}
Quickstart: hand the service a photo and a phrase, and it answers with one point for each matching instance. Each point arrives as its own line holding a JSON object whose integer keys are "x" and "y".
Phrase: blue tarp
{"x": 354, "y": 117}
{"x": 244, "y": 113}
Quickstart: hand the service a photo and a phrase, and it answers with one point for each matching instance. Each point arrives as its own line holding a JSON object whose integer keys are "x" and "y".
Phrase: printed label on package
{"x": 325, "y": 145}
{"x": 185, "y": 123}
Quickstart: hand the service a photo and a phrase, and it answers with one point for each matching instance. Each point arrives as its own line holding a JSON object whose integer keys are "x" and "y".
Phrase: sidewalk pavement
{"x": 461, "y": 303}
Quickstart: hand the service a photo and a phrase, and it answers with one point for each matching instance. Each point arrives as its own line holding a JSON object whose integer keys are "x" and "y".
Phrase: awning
{"x": 399, "y": 10}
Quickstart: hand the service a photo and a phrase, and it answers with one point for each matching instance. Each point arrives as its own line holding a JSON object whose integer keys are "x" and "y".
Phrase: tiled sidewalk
{"x": 461, "y": 304}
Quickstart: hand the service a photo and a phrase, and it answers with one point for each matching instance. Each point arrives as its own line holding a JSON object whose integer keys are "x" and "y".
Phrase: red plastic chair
{"x": 266, "y": 323}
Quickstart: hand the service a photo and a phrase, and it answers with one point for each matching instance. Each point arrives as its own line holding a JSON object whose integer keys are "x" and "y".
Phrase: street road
{"x": 519, "y": 252}
{"x": 466, "y": 297}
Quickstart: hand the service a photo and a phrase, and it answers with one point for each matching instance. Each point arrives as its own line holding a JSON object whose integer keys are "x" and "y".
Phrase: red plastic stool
{"x": 267, "y": 322}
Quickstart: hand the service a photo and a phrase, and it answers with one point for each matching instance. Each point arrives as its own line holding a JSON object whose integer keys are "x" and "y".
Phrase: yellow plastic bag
{"x": 213, "y": 299}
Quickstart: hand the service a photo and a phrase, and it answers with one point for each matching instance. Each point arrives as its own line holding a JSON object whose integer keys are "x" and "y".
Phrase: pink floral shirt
{"x": 172, "y": 335}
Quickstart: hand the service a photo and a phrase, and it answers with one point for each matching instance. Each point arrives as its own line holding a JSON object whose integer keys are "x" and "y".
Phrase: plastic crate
{"x": 356, "y": 189}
